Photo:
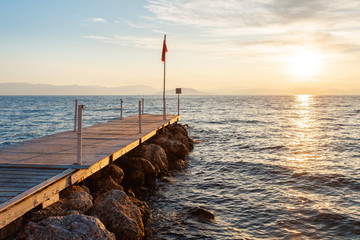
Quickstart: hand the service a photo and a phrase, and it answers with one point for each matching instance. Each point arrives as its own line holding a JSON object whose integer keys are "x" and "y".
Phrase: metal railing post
{"x": 121, "y": 109}
{"x": 178, "y": 104}
{"x": 139, "y": 116}
{"x": 76, "y": 113}
{"x": 143, "y": 104}
{"x": 79, "y": 135}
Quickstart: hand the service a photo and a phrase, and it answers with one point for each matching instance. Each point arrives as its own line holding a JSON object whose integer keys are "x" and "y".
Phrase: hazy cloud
{"x": 252, "y": 13}
{"x": 269, "y": 23}
{"x": 127, "y": 40}
{"x": 229, "y": 27}
{"x": 97, "y": 20}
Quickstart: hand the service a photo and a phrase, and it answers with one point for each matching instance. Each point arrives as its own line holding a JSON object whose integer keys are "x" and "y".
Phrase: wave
{"x": 329, "y": 180}
{"x": 278, "y": 147}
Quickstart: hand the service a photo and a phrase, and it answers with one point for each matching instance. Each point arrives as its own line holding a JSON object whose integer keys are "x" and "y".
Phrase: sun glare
{"x": 304, "y": 63}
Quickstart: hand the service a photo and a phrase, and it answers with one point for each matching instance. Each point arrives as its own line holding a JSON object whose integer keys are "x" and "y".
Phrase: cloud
{"x": 227, "y": 28}
{"x": 252, "y": 13}
{"x": 267, "y": 23}
{"x": 97, "y": 20}
{"x": 127, "y": 40}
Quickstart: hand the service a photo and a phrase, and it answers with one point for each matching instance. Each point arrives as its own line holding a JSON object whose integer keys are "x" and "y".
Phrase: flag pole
{"x": 164, "y": 99}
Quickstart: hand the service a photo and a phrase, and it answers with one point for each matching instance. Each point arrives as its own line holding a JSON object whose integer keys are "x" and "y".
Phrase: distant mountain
{"x": 47, "y": 89}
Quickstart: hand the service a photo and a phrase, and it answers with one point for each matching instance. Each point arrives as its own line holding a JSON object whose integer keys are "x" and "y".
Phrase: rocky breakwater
{"x": 109, "y": 204}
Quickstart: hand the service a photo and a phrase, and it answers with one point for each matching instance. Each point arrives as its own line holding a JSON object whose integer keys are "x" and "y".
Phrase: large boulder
{"x": 138, "y": 171}
{"x": 74, "y": 199}
{"x": 75, "y": 226}
{"x": 105, "y": 180}
{"x": 78, "y": 198}
{"x": 120, "y": 215}
{"x": 143, "y": 207}
{"x": 178, "y": 128}
{"x": 188, "y": 142}
{"x": 157, "y": 156}
{"x": 176, "y": 164}
{"x": 58, "y": 208}
{"x": 172, "y": 147}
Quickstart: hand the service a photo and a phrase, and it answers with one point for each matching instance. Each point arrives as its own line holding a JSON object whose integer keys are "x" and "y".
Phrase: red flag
{"x": 164, "y": 50}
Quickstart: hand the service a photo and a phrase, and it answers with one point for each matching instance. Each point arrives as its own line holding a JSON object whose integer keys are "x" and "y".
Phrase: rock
{"x": 130, "y": 192}
{"x": 137, "y": 178}
{"x": 177, "y": 164}
{"x": 78, "y": 198}
{"x": 138, "y": 164}
{"x": 188, "y": 142}
{"x": 115, "y": 172}
{"x": 74, "y": 199}
{"x": 58, "y": 208}
{"x": 178, "y": 128}
{"x": 75, "y": 226}
{"x": 172, "y": 147}
{"x": 144, "y": 209}
{"x": 180, "y": 133}
{"x": 202, "y": 213}
{"x": 104, "y": 185}
{"x": 120, "y": 215}
{"x": 105, "y": 180}
{"x": 112, "y": 170}
{"x": 157, "y": 156}
{"x": 9, "y": 230}
{"x": 165, "y": 179}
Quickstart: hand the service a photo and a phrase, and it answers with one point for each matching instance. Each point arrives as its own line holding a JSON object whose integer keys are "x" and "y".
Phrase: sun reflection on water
{"x": 304, "y": 137}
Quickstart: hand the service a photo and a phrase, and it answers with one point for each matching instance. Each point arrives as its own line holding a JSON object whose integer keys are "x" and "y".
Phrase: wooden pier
{"x": 33, "y": 172}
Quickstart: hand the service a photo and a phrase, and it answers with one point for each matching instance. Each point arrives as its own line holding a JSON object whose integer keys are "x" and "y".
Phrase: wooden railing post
{"x": 139, "y": 116}
{"x": 121, "y": 109}
{"x": 76, "y": 113}
{"x": 79, "y": 135}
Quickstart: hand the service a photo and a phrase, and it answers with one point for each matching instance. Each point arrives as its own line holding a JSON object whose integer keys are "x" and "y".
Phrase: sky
{"x": 218, "y": 46}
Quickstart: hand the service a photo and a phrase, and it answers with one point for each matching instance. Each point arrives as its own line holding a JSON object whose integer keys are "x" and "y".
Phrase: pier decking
{"x": 35, "y": 171}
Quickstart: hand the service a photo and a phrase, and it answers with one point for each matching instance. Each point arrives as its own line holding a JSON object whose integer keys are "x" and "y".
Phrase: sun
{"x": 304, "y": 63}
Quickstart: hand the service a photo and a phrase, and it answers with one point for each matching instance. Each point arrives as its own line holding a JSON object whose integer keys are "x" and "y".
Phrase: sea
{"x": 268, "y": 167}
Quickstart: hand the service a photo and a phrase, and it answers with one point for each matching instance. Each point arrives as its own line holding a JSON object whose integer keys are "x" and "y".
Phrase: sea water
{"x": 269, "y": 167}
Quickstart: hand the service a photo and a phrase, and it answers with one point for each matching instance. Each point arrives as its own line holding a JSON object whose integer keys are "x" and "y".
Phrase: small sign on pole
{"x": 178, "y": 92}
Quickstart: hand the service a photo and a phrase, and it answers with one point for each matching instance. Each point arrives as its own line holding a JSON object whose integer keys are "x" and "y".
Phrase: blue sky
{"x": 213, "y": 45}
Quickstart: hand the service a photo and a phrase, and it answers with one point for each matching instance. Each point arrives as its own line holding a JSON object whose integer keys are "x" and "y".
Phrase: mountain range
{"x": 48, "y": 89}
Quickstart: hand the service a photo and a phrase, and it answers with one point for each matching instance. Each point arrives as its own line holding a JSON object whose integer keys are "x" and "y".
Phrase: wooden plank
{"x": 50, "y": 201}
{"x": 84, "y": 173}
{"x": 11, "y": 189}
{"x": 73, "y": 166}
{"x": 23, "y": 176}
{"x": 18, "y": 206}
{"x": 17, "y": 210}
{"x": 16, "y": 171}
{"x": 9, "y": 194}
{"x": 20, "y": 181}
{"x": 35, "y": 188}
{"x": 4, "y": 199}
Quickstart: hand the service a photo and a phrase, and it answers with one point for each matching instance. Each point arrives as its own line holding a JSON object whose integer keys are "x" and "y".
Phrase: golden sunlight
{"x": 304, "y": 63}
{"x": 304, "y": 142}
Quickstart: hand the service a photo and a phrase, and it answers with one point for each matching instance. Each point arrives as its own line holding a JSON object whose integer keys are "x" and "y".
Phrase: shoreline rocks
{"x": 104, "y": 206}
{"x": 202, "y": 213}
